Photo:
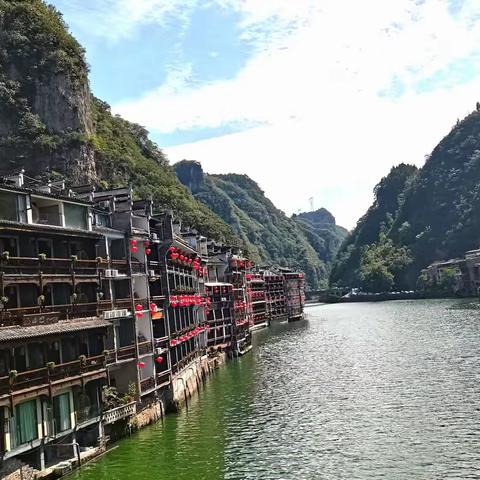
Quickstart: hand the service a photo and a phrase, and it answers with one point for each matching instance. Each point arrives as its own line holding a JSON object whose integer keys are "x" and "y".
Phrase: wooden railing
{"x": 40, "y": 315}
{"x": 46, "y": 375}
{"x": 122, "y": 353}
{"x": 50, "y": 266}
{"x": 147, "y": 384}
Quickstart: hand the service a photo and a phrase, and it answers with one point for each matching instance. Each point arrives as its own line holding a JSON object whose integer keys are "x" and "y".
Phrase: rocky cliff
{"x": 45, "y": 120}
{"x": 51, "y": 126}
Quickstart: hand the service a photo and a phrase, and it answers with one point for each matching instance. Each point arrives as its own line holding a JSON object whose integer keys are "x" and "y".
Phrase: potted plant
{"x": 5, "y": 255}
{"x": 50, "y": 366}
{"x": 74, "y": 258}
{"x": 42, "y": 257}
{"x": 12, "y": 375}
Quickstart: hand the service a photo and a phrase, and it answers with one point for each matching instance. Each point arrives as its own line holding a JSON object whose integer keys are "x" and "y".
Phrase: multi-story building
{"x": 106, "y": 307}
{"x": 294, "y": 293}
{"x": 236, "y": 274}
{"x": 257, "y": 300}
{"x": 52, "y": 335}
{"x": 275, "y": 295}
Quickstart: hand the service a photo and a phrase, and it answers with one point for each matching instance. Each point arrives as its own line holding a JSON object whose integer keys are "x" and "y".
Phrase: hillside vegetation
{"x": 308, "y": 241}
{"x": 431, "y": 214}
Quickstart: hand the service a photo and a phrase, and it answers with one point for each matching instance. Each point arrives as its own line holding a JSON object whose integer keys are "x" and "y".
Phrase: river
{"x": 358, "y": 391}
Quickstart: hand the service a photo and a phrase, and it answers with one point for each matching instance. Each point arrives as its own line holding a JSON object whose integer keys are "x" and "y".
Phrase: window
{"x": 75, "y": 216}
{"x": 8, "y": 206}
{"x": 26, "y": 422}
{"x": 61, "y": 412}
{"x": 8, "y": 244}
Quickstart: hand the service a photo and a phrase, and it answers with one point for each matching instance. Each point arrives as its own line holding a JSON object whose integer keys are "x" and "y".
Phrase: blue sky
{"x": 311, "y": 98}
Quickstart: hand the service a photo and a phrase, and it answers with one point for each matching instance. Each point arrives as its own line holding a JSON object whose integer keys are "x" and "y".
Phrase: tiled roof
{"x": 19, "y": 332}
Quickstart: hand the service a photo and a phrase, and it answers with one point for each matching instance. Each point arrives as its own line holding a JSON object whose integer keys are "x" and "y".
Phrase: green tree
{"x": 381, "y": 262}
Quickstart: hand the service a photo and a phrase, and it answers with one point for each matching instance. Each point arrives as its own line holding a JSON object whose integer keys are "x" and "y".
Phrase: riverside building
{"x": 109, "y": 312}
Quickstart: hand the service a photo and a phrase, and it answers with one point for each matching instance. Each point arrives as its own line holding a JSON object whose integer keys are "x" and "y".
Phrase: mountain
{"x": 322, "y": 232}
{"x": 432, "y": 214}
{"x": 52, "y": 126}
{"x": 387, "y": 199}
{"x": 307, "y": 241}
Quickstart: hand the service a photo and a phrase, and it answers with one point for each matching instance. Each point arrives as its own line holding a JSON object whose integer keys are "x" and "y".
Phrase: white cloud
{"x": 313, "y": 84}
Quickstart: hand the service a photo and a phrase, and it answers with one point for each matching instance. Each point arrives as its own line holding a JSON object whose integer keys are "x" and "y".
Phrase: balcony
{"x": 120, "y": 354}
{"x": 45, "y": 376}
{"x": 19, "y": 267}
{"x": 116, "y": 414}
{"x": 28, "y": 316}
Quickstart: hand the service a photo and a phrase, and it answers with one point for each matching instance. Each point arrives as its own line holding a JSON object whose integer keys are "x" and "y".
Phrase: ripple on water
{"x": 359, "y": 391}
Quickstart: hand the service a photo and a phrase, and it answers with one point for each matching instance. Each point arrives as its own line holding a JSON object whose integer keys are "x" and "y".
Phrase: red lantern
{"x": 159, "y": 360}
{"x": 139, "y": 314}
{"x": 134, "y": 249}
{"x": 153, "y": 307}
{"x": 173, "y": 342}
{"x": 148, "y": 251}
{"x": 133, "y": 242}
{"x": 138, "y": 307}
{"x": 172, "y": 249}
{"x": 141, "y": 364}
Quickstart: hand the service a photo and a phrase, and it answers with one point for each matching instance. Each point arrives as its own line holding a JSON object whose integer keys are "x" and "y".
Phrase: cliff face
{"x": 45, "y": 120}
{"x": 270, "y": 236}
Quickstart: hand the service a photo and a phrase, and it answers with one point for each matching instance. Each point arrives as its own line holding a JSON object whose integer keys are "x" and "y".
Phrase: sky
{"x": 314, "y": 99}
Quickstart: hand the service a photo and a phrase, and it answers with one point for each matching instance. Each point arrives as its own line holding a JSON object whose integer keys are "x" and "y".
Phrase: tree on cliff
{"x": 381, "y": 262}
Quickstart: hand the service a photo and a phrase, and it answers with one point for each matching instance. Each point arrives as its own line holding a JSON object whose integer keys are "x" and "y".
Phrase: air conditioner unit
{"x": 123, "y": 312}
{"x": 114, "y": 273}
{"x": 154, "y": 236}
{"x": 151, "y": 273}
{"x": 108, "y": 314}
{"x": 108, "y": 272}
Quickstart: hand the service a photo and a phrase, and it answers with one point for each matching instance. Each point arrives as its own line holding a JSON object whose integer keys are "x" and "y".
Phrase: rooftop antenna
{"x": 312, "y": 205}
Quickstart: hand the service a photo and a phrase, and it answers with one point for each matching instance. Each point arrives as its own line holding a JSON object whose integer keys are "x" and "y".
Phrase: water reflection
{"x": 385, "y": 390}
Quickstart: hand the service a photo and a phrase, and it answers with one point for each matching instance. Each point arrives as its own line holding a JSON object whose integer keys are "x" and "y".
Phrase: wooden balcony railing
{"x": 122, "y": 353}
{"x": 44, "y": 376}
{"x": 147, "y": 384}
{"x": 50, "y": 266}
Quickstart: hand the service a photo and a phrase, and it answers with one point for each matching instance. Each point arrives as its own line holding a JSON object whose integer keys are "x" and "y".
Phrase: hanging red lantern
{"x": 173, "y": 342}
{"x": 172, "y": 249}
{"x": 141, "y": 364}
{"x": 134, "y": 249}
{"x": 138, "y": 307}
{"x": 139, "y": 314}
{"x": 159, "y": 360}
{"x": 148, "y": 251}
{"x": 153, "y": 307}
{"x": 133, "y": 242}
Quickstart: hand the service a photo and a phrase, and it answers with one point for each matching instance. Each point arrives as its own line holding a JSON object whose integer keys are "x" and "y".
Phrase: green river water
{"x": 357, "y": 391}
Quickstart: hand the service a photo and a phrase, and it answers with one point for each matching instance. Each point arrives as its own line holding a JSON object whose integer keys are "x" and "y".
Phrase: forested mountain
{"x": 52, "y": 126}
{"x": 432, "y": 214}
{"x": 307, "y": 241}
